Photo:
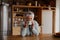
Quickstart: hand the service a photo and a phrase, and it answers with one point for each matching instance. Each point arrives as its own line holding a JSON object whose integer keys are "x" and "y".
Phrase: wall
{"x": 59, "y": 15}
{"x": 57, "y": 22}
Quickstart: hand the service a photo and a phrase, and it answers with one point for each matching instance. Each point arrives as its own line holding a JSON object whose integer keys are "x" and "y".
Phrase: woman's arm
{"x": 36, "y": 28}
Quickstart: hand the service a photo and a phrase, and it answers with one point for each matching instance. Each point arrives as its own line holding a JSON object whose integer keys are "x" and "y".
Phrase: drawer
{"x": 16, "y": 30}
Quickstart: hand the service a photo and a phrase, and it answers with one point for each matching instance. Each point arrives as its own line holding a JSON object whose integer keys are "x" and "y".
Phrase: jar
{"x": 29, "y": 4}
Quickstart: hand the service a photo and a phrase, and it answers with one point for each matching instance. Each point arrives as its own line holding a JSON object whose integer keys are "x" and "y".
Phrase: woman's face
{"x": 29, "y": 18}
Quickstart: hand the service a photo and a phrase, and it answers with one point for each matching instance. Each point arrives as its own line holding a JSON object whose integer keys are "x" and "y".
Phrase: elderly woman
{"x": 29, "y": 25}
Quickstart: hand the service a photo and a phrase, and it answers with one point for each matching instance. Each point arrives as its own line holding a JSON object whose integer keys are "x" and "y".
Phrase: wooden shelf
{"x": 24, "y": 6}
{"x": 38, "y": 7}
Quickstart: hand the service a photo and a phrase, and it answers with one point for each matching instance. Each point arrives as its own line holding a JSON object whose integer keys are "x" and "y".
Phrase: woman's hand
{"x": 25, "y": 25}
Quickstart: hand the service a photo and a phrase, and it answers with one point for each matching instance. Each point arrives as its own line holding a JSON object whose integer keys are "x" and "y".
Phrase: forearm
{"x": 35, "y": 31}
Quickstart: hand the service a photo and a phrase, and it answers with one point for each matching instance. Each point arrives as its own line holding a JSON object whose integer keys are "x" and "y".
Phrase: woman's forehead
{"x": 28, "y": 16}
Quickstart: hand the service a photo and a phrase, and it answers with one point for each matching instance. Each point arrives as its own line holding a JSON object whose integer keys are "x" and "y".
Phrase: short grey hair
{"x": 30, "y": 13}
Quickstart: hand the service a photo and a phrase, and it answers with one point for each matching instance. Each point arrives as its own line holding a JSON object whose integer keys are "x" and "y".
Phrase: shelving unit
{"x": 20, "y": 10}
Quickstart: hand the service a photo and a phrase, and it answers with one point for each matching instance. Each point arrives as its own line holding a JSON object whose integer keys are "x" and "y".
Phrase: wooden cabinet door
{"x": 47, "y": 16}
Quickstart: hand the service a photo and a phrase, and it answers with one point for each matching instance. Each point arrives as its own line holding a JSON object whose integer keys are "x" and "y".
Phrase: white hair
{"x": 30, "y": 13}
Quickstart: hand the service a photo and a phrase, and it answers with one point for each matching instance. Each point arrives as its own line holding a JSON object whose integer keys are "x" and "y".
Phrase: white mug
{"x": 29, "y": 22}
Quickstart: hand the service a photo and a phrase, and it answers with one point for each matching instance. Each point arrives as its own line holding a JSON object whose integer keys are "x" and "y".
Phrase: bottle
{"x": 35, "y": 3}
{"x": 15, "y": 24}
{"x": 49, "y": 7}
{"x": 39, "y": 5}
